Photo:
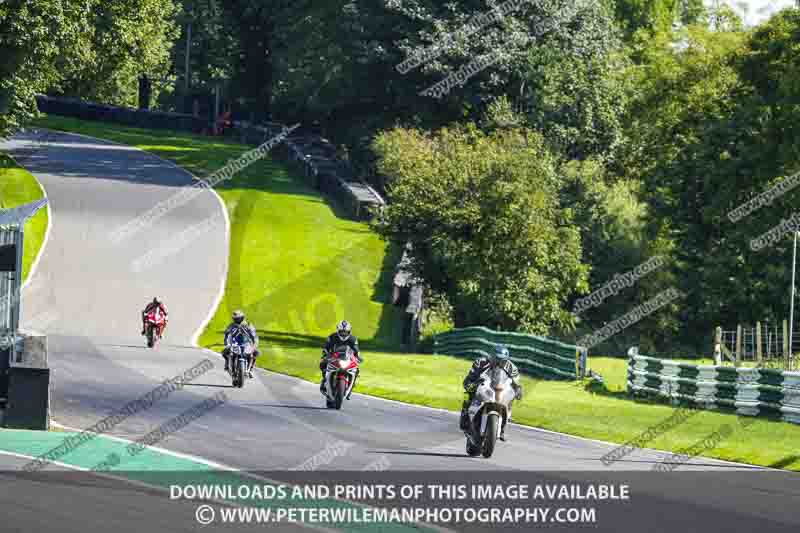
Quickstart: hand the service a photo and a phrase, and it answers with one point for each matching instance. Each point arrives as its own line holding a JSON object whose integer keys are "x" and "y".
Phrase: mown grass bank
{"x": 18, "y": 187}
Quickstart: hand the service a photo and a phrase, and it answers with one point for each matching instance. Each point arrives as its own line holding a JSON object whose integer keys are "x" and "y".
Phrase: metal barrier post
{"x": 16, "y": 310}
{"x": 12, "y": 233}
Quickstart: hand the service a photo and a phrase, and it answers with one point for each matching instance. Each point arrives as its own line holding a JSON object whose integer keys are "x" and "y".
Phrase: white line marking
{"x": 221, "y": 292}
{"x": 220, "y": 466}
{"x": 40, "y": 253}
{"x": 32, "y": 458}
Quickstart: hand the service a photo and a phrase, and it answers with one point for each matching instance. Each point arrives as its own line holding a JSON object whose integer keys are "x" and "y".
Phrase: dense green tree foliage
{"x": 37, "y": 38}
{"x": 716, "y": 128}
{"x": 92, "y": 49}
{"x": 482, "y": 214}
{"x": 657, "y": 15}
{"x": 123, "y": 41}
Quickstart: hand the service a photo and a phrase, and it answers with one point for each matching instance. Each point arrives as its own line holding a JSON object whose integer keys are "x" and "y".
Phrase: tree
{"x": 657, "y": 15}
{"x": 716, "y": 126}
{"x": 34, "y": 36}
{"x": 347, "y": 76}
{"x": 612, "y": 218}
{"x": 482, "y": 213}
{"x": 124, "y": 40}
{"x": 90, "y": 49}
{"x": 578, "y": 103}
{"x": 580, "y": 29}
{"x": 267, "y": 35}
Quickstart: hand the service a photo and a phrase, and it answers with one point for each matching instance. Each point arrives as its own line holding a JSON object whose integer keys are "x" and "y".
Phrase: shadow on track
{"x": 278, "y": 406}
{"x": 208, "y": 385}
{"x": 654, "y": 462}
{"x": 426, "y": 454}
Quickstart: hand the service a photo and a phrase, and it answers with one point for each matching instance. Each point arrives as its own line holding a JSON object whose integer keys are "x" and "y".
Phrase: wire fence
{"x": 765, "y": 344}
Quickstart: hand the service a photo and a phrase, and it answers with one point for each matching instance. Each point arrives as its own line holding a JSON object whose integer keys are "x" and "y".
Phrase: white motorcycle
{"x": 489, "y": 411}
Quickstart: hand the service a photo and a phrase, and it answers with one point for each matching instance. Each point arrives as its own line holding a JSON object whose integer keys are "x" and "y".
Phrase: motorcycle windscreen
{"x": 497, "y": 376}
{"x": 343, "y": 350}
{"x": 500, "y": 377}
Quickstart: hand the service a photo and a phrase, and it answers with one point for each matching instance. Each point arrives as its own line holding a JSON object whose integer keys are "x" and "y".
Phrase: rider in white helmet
{"x": 340, "y": 340}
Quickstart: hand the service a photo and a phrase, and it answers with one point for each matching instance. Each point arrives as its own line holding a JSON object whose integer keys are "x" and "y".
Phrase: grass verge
{"x": 296, "y": 268}
{"x": 18, "y": 187}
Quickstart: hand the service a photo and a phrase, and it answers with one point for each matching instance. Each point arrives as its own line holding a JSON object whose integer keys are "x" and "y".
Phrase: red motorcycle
{"x": 155, "y": 321}
{"x": 340, "y": 376}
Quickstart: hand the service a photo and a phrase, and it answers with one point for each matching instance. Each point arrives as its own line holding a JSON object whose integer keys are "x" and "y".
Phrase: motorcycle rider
{"x": 500, "y": 358}
{"x": 240, "y": 324}
{"x": 342, "y": 337}
{"x": 152, "y": 306}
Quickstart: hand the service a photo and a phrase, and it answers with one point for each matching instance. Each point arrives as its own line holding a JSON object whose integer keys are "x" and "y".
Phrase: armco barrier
{"x": 762, "y": 392}
{"x": 140, "y": 118}
{"x": 335, "y": 178}
{"x": 534, "y": 355}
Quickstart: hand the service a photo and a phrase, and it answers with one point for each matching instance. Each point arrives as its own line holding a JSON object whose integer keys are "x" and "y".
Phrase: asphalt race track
{"x": 77, "y": 504}
{"x": 86, "y": 295}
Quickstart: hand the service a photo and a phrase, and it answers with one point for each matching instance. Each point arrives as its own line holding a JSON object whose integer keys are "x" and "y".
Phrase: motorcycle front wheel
{"x": 241, "y": 372}
{"x": 341, "y": 390}
{"x": 151, "y": 337}
{"x": 490, "y": 438}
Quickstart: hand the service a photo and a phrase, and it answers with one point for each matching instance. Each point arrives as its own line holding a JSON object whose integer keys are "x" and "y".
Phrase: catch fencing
{"x": 761, "y": 392}
{"x": 534, "y": 355}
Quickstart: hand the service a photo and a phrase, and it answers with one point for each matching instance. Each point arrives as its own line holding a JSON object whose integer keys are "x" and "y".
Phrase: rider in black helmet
{"x": 341, "y": 338}
{"x": 155, "y": 304}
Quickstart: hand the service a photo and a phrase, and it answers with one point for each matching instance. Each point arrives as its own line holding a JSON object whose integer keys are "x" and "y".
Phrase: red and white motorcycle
{"x": 154, "y": 323}
{"x": 340, "y": 376}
